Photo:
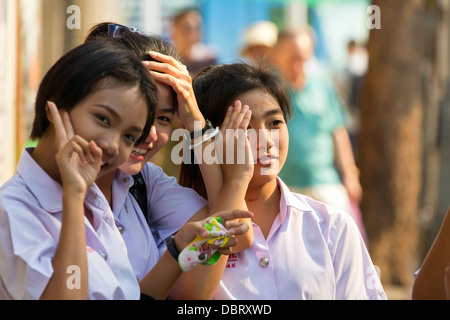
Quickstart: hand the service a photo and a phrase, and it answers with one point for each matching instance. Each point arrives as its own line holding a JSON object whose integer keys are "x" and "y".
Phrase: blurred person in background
{"x": 259, "y": 38}
{"x": 321, "y": 163}
{"x": 187, "y": 39}
{"x": 350, "y": 83}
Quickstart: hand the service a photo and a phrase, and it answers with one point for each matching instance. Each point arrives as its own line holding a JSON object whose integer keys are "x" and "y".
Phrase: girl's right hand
{"x": 229, "y": 217}
{"x": 237, "y": 159}
{"x": 168, "y": 70}
{"x": 78, "y": 160}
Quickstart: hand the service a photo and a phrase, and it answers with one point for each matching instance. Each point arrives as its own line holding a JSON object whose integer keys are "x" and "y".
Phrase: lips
{"x": 138, "y": 153}
{"x": 267, "y": 160}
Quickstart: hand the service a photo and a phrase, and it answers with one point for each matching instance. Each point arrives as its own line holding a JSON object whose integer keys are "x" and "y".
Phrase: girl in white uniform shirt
{"x": 58, "y": 239}
{"x": 168, "y": 205}
{"x": 302, "y": 249}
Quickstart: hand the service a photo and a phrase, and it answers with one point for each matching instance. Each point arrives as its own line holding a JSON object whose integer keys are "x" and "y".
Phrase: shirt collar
{"x": 290, "y": 199}
{"x": 47, "y": 191}
{"x": 121, "y": 185}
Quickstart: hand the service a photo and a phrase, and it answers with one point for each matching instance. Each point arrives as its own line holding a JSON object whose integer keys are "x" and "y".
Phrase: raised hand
{"x": 78, "y": 160}
{"x": 173, "y": 73}
{"x": 237, "y": 156}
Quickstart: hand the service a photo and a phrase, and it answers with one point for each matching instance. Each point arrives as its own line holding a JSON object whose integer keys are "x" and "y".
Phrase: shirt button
{"x": 121, "y": 229}
{"x": 103, "y": 255}
{"x": 126, "y": 179}
{"x": 264, "y": 262}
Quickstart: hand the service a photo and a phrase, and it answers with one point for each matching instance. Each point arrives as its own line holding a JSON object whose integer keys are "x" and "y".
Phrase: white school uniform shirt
{"x": 170, "y": 206}
{"x": 313, "y": 251}
{"x": 30, "y": 224}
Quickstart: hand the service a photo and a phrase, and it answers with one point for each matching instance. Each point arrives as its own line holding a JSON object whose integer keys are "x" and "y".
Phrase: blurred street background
{"x": 400, "y": 105}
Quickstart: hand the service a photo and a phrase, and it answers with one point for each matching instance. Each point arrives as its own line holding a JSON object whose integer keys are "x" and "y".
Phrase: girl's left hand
{"x": 173, "y": 73}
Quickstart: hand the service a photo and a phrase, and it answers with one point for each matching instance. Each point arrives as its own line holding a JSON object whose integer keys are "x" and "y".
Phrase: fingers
{"x": 63, "y": 127}
{"x": 240, "y": 117}
{"x": 164, "y": 68}
{"x": 68, "y": 126}
{"x": 176, "y": 77}
{"x": 60, "y": 131}
{"x": 87, "y": 152}
{"x": 188, "y": 232}
{"x": 198, "y": 229}
{"x": 96, "y": 152}
{"x": 234, "y": 214}
{"x": 83, "y": 149}
{"x": 166, "y": 65}
{"x": 167, "y": 59}
{"x": 245, "y": 122}
{"x": 226, "y": 120}
{"x": 228, "y": 248}
{"x": 237, "y": 228}
{"x": 237, "y": 117}
{"x": 236, "y": 110}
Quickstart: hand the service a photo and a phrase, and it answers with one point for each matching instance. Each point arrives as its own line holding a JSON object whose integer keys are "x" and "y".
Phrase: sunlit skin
{"x": 104, "y": 118}
{"x": 159, "y": 135}
{"x": 114, "y": 119}
{"x": 271, "y": 146}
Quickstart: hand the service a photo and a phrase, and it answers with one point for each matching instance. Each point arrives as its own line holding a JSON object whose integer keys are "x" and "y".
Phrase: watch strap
{"x": 199, "y": 133}
{"x": 172, "y": 248}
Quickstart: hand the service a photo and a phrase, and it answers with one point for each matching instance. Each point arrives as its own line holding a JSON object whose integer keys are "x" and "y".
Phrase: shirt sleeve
{"x": 26, "y": 251}
{"x": 170, "y": 205}
{"x": 356, "y": 276}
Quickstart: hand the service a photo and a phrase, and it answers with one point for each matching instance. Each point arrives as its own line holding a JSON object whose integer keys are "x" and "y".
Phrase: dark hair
{"x": 217, "y": 87}
{"x": 137, "y": 43}
{"x": 88, "y": 68}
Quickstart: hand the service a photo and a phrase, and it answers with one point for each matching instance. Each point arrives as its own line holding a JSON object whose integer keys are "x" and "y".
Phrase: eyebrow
{"x": 167, "y": 109}
{"x": 116, "y": 115}
{"x": 272, "y": 112}
{"x": 108, "y": 108}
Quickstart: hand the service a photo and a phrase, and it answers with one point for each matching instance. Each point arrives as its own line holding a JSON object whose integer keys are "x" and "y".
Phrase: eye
{"x": 103, "y": 119}
{"x": 276, "y": 123}
{"x": 164, "y": 119}
{"x": 130, "y": 138}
